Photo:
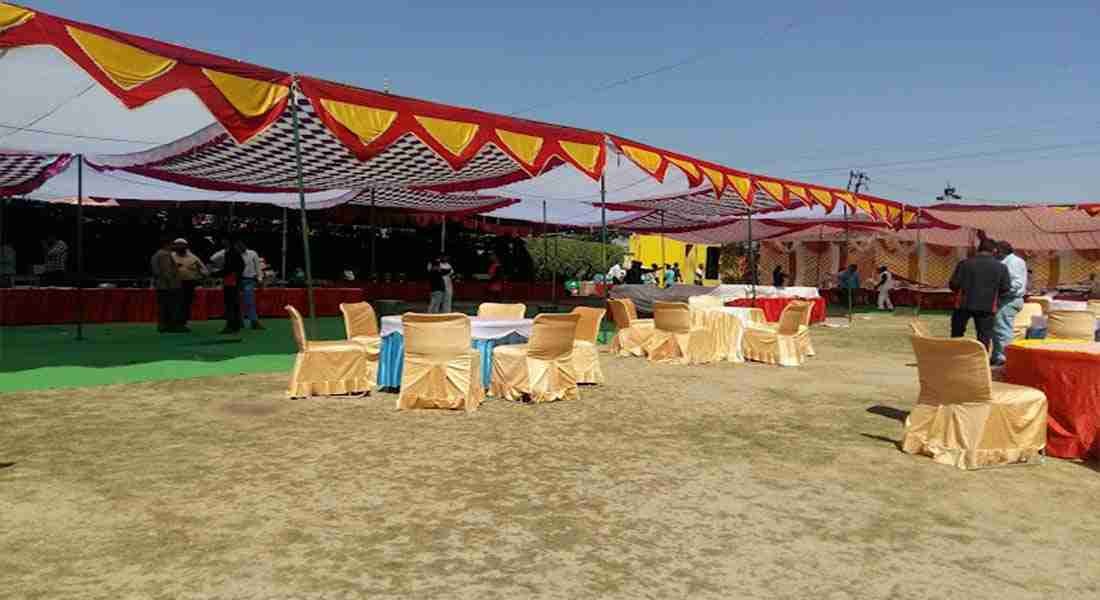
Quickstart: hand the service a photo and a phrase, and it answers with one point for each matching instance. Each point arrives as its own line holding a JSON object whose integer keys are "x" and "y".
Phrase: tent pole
{"x": 302, "y": 202}
{"x": 920, "y": 260}
{"x": 373, "y": 237}
{"x": 847, "y": 259}
{"x": 286, "y": 217}
{"x": 752, "y": 260}
{"x": 443, "y": 236}
{"x": 554, "y": 271}
{"x": 664, "y": 264}
{"x": 545, "y": 240}
{"x": 79, "y": 247}
{"x": 603, "y": 228}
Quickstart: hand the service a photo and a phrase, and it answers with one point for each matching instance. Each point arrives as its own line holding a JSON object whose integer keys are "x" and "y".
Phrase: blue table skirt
{"x": 392, "y": 360}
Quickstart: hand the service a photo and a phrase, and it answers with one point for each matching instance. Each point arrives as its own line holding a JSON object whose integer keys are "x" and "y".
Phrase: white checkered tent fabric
{"x": 701, "y": 202}
{"x": 212, "y": 159}
{"x": 433, "y": 202}
{"x": 21, "y": 173}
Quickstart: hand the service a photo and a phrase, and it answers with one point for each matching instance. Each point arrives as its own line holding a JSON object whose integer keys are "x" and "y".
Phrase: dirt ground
{"x": 723, "y": 481}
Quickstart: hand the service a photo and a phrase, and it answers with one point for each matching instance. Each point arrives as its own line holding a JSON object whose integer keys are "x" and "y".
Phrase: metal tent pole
{"x": 603, "y": 227}
{"x": 443, "y": 236}
{"x": 664, "y": 263}
{"x": 79, "y": 247}
{"x": 286, "y": 218}
{"x": 554, "y": 271}
{"x": 302, "y": 202}
{"x": 847, "y": 259}
{"x": 373, "y": 237}
{"x": 545, "y": 240}
{"x": 920, "y": 262}
{"x": 752, "y": 261}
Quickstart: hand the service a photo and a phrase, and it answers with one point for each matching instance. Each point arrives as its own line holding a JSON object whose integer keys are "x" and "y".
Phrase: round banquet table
{"x": 486, "y": 333}
{"x": 773, "y": 307}
{"x": 1068, "y": 372}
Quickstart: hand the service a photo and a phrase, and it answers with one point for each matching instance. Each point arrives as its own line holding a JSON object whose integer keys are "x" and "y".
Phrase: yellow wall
{"x": 647, "y": 248}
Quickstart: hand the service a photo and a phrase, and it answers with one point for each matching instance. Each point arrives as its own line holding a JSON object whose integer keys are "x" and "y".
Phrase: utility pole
{"x": 856, "y": 181}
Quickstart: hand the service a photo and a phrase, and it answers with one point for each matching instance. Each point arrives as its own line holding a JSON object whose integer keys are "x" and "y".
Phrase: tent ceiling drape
{"x": 353, "y": 138}
{"x": 22, "y": 172}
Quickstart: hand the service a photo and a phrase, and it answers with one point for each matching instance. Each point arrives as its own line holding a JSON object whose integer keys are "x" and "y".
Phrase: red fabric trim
{"x": 408, "y": 109}
{"x": 46, "y": 29}
{"x": 56, "y": 168}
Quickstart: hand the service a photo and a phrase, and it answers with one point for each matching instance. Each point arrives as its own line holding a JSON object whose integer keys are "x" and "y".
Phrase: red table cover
{"x": 56, "y": 306}
{"x": 773, "y": 307}
{"x": 1071, "y": 381}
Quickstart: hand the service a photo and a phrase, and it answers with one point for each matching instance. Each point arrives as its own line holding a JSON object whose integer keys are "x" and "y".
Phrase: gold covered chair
{"x": 1071, "y": 325}
{"x": 919, "y": 328}
{"x": 705, "y": 302}
{"x": 361, "y": 324}
{"x": 503, "y": 312}
{"x": 807, "y": 314}
{"x": 678, "y": 338}
{"x": 631, "y": 332}
{"x": 1042, "y": 301}
{"x": 1023, "y": 319}
{"x": 965, "y": 419}
{"x": 785, "y": 344}
{"x": 541, "y": 370}
{"x": 1094, "y": 307}
{"x": 586, "y": 355}
{"x": 441, "y": 370}
{"x": 330, "y": 368}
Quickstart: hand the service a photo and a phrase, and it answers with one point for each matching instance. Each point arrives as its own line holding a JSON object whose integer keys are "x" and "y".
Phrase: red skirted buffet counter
{"x": 55, "y": 306}
{"x": 773, "y": 307}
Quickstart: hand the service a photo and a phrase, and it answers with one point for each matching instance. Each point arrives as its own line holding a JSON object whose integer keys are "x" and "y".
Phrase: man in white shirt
{"x": 250, "y": 277}
{"x": 448, "y": 284}
{"x": 616, "y": 274}
{"x": 884, "y": 285}
{"x": 1008, "y": 306}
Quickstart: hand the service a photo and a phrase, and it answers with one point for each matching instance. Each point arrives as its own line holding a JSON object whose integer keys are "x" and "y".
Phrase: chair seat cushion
{"x": 1008, "y": 393}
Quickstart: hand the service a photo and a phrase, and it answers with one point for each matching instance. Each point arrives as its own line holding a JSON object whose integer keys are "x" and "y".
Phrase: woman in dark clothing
{"x": 778, "y": 277}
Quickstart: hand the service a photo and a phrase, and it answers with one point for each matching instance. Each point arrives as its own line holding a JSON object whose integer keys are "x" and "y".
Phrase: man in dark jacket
{"x": 979, "y": 280}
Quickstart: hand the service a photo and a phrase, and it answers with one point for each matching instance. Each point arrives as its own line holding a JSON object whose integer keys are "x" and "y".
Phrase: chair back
{"x": 793, "y": 316}
{"x": 1094, "y": 307}
{"x": 631, "y": 310}
{"x": 807, "y": 310}
{"x": 1024, "y": 317}
{"x": 673, "y": 317}
{"x": 705, "y": 302}
{"x": 952, "y": 370}
{"x": 359, "y": 320}
{"x": 552, "y": 336}
{"x": 1072, "y": 325}
{"x": 436, "y": 336}
{"x": 588, "y": 328}
{"x": 919, "y": 328}
{"x": 619, "y": 314}
{"x": 1043, "y": 303}
{"x": 298, "y": 327}
{"x": 504, "y": 312}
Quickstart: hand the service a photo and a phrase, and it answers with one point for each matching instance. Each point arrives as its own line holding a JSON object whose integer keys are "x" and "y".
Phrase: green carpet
{"x": 38, "y": 358}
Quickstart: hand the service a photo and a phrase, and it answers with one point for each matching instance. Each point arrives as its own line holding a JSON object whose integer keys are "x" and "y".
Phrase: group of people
{"x": 637, "y": 274}
{"x": 991, "y": 287}
{"x": 849, "y": 281}
{"x": 440, "y": 279}
{"x": 178, "y": 272}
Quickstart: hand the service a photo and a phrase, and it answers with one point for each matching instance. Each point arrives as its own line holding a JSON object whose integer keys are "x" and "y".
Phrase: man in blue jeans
{"x": 1009, "y": 306}
{"x": 249, "y": 279}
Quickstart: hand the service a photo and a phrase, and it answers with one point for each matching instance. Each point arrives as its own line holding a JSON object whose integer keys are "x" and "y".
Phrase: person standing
{"x": 447, "y": 272}
{"x": 229, "y": 265}
{"x": 700, "y": 276}
{"x": 7, "y": 264}
{"x": 191, "y": 271}
{"x": 669, "y": 276}
{"x": 678, "y": 277}
{"x": 56, "y": 253}
{"x": 250, "y": 278}
{"x": 1010, "y": 303}
{"x": 438, "y": 287}
{"x": 884, "y": 285}
{"x": 616, "y": 274}
{"x": 848, "y": 282}
{"x": 166, "y": 281}
{"x": 778, "y": 276}
{"x": 980, "y": 281}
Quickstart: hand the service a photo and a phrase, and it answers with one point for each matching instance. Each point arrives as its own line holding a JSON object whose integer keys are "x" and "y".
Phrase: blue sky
{"x": 995, "y": 99}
